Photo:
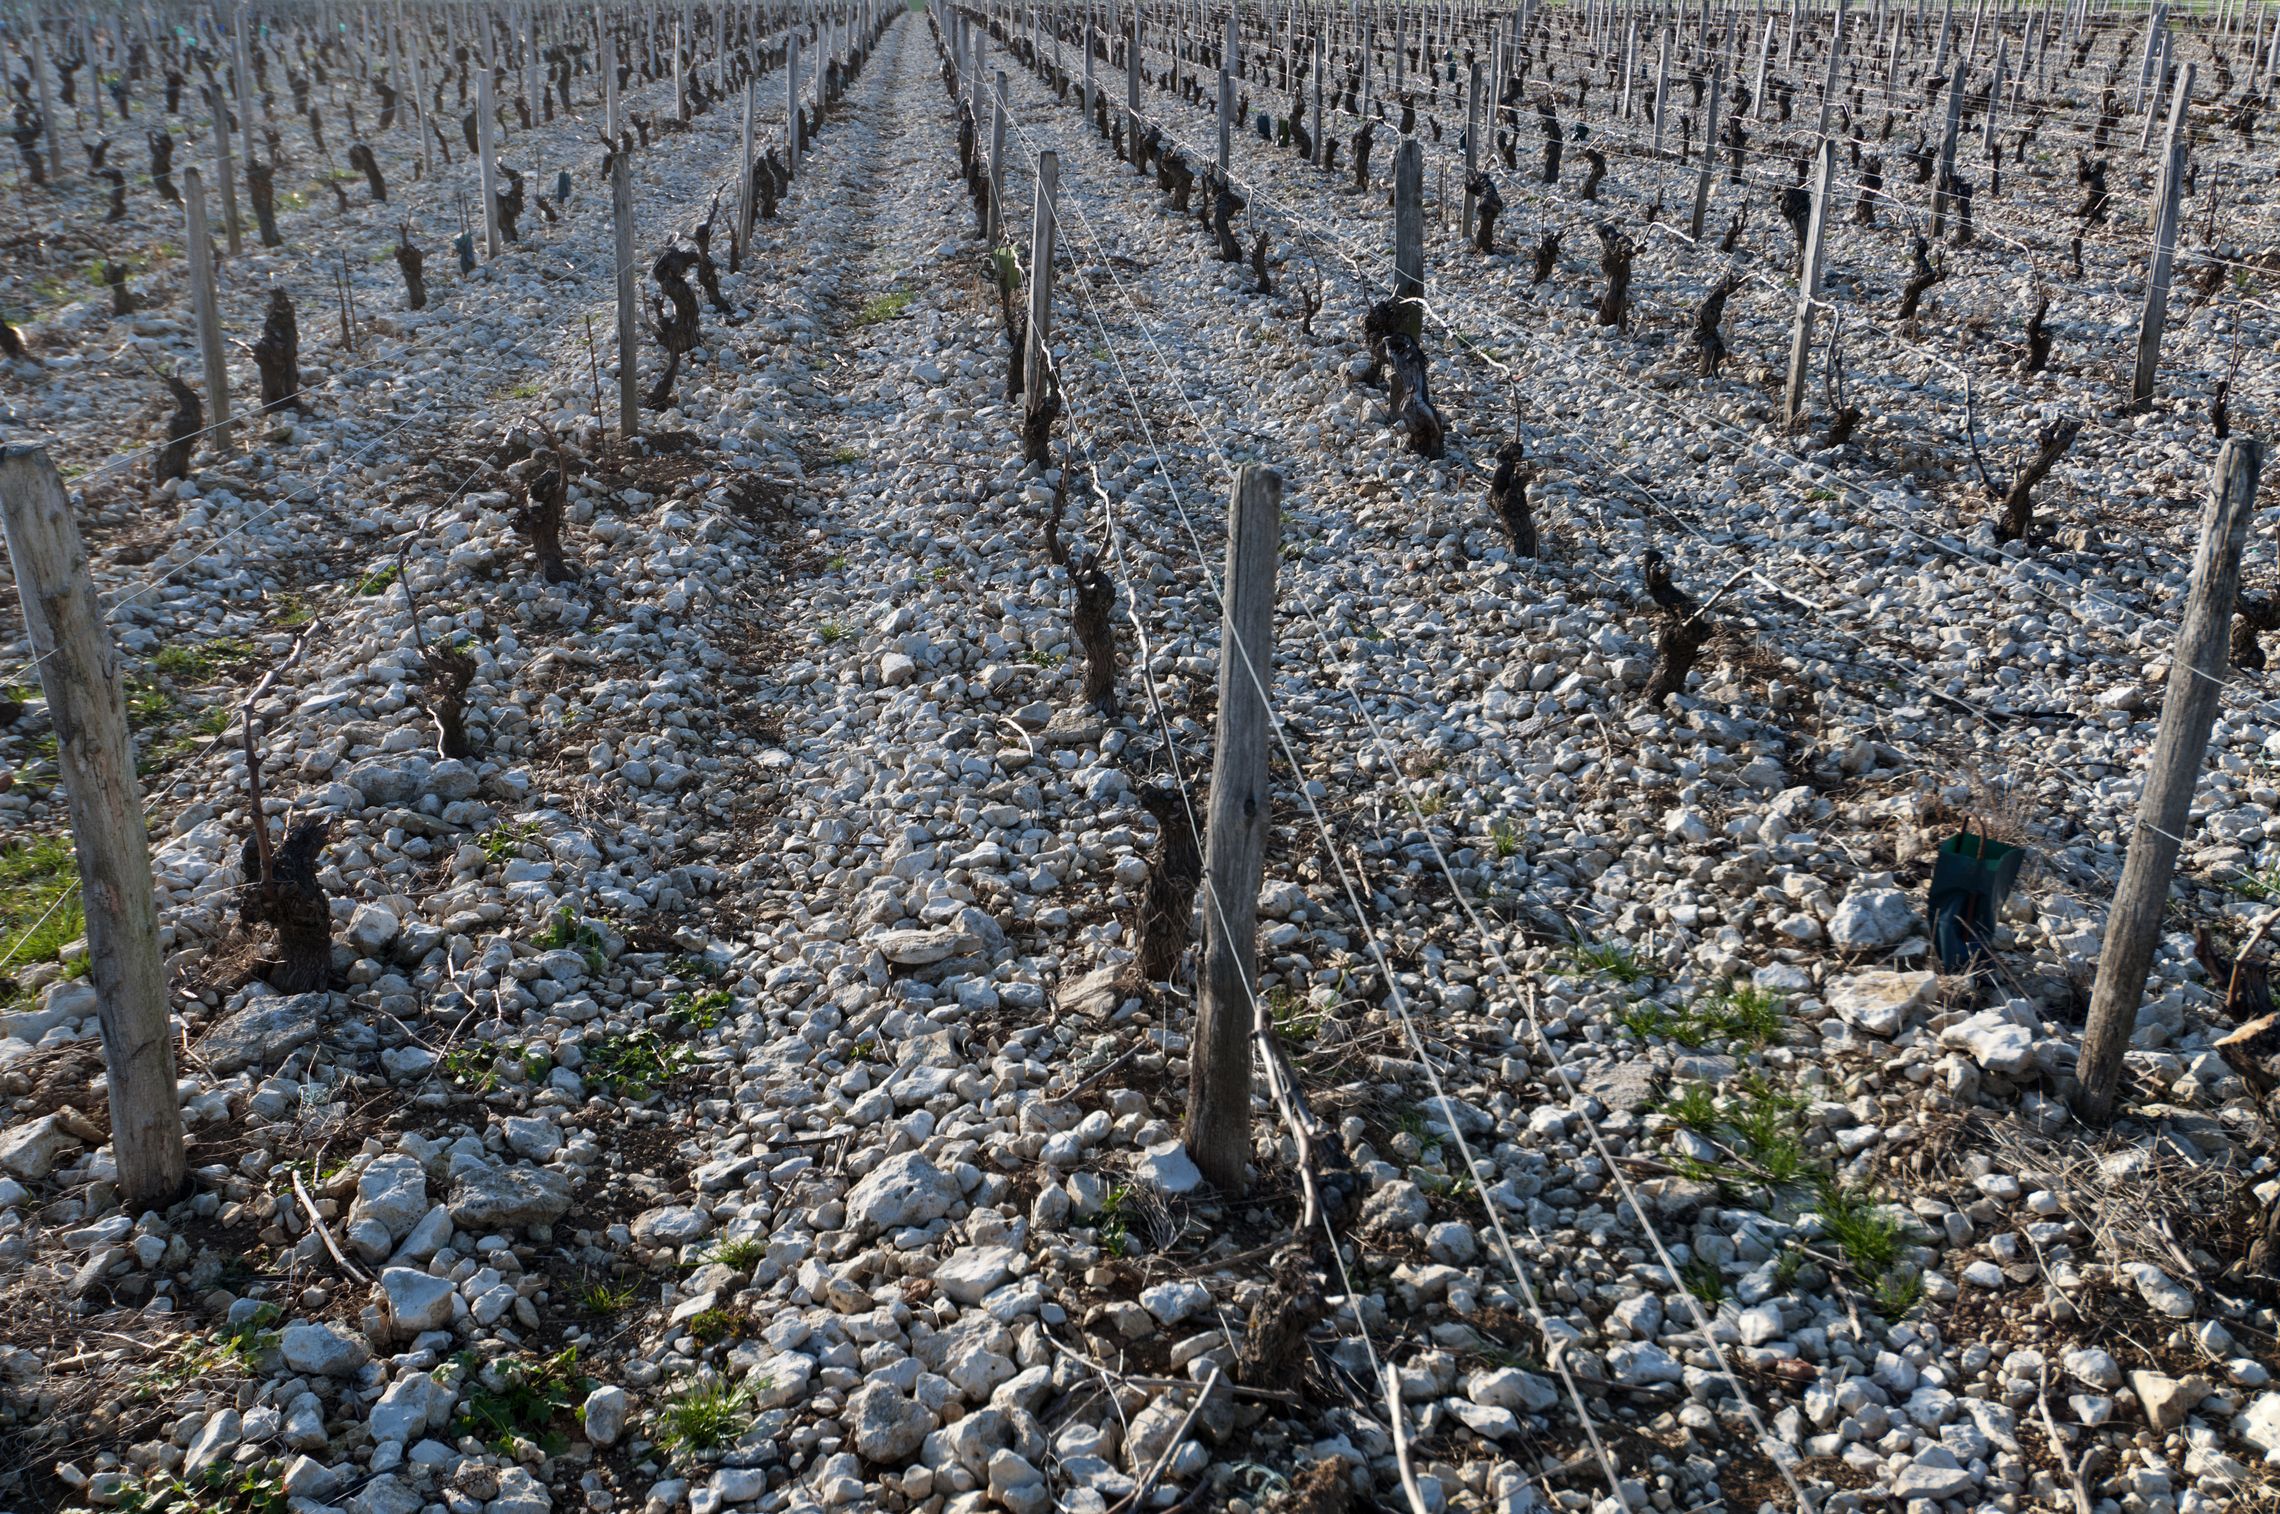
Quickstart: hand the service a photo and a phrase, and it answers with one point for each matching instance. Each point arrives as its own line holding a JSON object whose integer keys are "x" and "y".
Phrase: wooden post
{"x": 996, "y": 229}
{"x": 1321, "y": 127}
{"x": 1947, "y": 149}
{"x": 223, "y": 168}
{"x": 2153, "y": 96}
{"x": 2153, "y": 32}
{"x": 1409, "y": 223}
{"x": 1995, "y": 93}
{"x": 94, "y": 68}
{"x": 1836, "y": 59}
{"x": 79, "y": 669}
{"x": 1218, "y": 1132}
{"x": 247, "y": 100}
{"x": 610, "y": 122}
{"x": 629, "y": 351}
{"x": 1132, "y": 88}
{"x": 1369, "y": 46}
{"x": 1226, "y": 96}
{"x": 1662, "y": 90}
{"x": 2198, "y": 670}
{"x": 792, "y": 103}
{"x": 1710, "y": 147}
{"x": 1809, "y": 285}
{"x": 2156, "y": 309}
{"x": 419, "y": 115}
{"x": 204, "y": 308}
{"x": 1472, "y": 147}
{"x": 38, "y": 27}
{"x": 1630, "y": 69}
{"x": 487, "y": 170}
{"x": 1034, "y": 356}
{"x": 1090, "y": 43}
{"x": 1757, "y": 90}
{"x": 744, "y": 180}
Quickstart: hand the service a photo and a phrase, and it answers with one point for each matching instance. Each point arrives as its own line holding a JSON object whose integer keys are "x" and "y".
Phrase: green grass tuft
{"x": 1869, "y": 1238}
{"x": 1613, "y": 958}
{"x": 599, "y": 1296}
{"x": 704, "y": 1416}
{"x": 40, "y": 909}
{"x": 742, "y": 1253}
{"x": 885, "y": 308}
{"x": 1897, "y": 1293}
{"x": 1702, "y": 1279}
{"x": 1736, "y": 1017}
{"x": 201, "y": 661}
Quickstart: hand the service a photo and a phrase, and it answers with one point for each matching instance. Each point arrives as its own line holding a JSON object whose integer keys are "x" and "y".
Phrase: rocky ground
{"x": 736, "y": 1088}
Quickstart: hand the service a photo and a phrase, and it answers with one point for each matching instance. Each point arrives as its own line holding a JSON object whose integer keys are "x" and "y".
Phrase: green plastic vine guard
{"x": 1970, "y": 880}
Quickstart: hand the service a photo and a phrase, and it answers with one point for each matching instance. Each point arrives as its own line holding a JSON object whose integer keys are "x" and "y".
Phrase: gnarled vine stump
{"x": 1508, "y": 497}
{"x": 361, "y": 158}
{"x": 673, "y": 314}
{"x": 286, "y": 896}
{"x": 1681, "y": 630}
{"x": 277, "y": 354}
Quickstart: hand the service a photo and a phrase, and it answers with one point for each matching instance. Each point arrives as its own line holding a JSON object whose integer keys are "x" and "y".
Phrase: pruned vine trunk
{"x": 277, "y": 355}
{"x": 291, "y": 902}
{"x": 1166, "y": 917}
{"x": 2051, "y": 442}
{"x": 1096, "y": 632}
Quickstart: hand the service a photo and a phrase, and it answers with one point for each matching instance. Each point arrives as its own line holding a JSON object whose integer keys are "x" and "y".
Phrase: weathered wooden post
{"x": 1321, "y": 126}
{"x": 38, "y": 27}
{"x": 1091, "y": 40}
{"x": 680, "y": 69}
{"x": 205, "y": 310}
{"x": 628, "y": 333}
{"x": 2153, "y": 96}
{"x": 223, "y": 167}
{"x": 1226, "y": 96}
{"x": 1765, "y": 54}
{"x": 1132, "y": 88}
{"x": 1995, "y": 93}
{"x": 1472, "y": 147}
{"x": 996, "y": 228}
{"x": 744, "y": 207}
{"x": 792, "y": 103}
{"x": 1409, "y": 229}
{"x": 2198, "y": 670}
{"x": 1369, "y": 48}
{"x": 610, "y": 121}
{"x": 487, "y": 173}
{"x": 79, "y": 669}
{"x": 1809, "y": 285}
{"x": 1948, "y": 132}
{"x": 2155, "y": 25}
{"x": 1400, "y": 50}
{"x": 1709, "y": 148}
{"x": 1631, "y": 69}
{"x": 247, "y": 101}
{"x": 2156, "y": 309}
{"x": 1218, "y": 1129}
{"x": 1036, "y": 354}
{"x": 1836, "y": 61}
{"x": 1662, "y": 90}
